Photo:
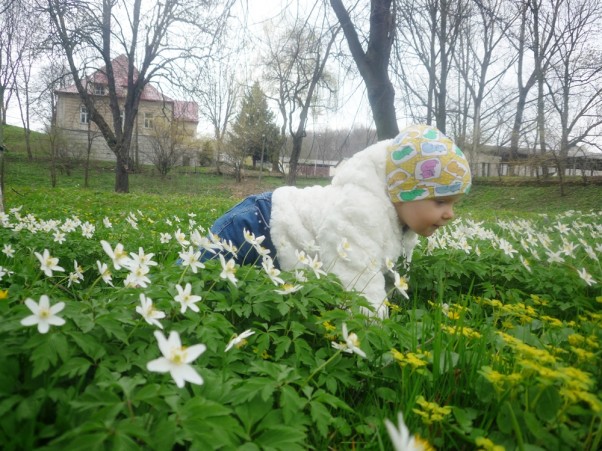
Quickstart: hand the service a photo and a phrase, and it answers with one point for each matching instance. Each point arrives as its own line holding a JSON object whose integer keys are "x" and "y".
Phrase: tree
{"x": 535, "y": 32}
{"x": 169, "y": 141}
{"x": 574, "y": 81}
{"x": 373, "y": 62}
{"x": 482, "y": 63}
{"x": 296, "y": 70}
{"x": 153, "y": 36}
{"x": 429, "y": 31}
{"x": 216, "y": 91}
{"x": 254, "y": 132}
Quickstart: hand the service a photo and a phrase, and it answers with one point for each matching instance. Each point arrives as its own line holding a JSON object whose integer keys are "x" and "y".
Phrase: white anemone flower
{"x": 48, "y": 264}
{"x": 228, "y": 269}
{"x": 343, "y": 249}
{"x": 186, "y": 298}
{"x": 176, "y": 359}
{"x": 142, "y": 259}
{"x": 271, "y": 271}
{"x": 8, "y": 250}
{"x": 288, "y": 288}
{"x": 351, "y": 345}
{"x": 104, "y": 272}
{"x": 316, "y": 266}
{"x": 587, "y": 278}
{"x": 148, "y": 311}
{"x": 181, "y": 238}
{"x": 191, "y": 258}
{"x": 400, "y": 436}
{"x": 76, "y": 275}
{"x": 239, "y": 340}
{"x": 118, "y": 255}
{"x": 252, "y": 239}
{"x": 401, "y": 285}
{"x": 44, "y": 315}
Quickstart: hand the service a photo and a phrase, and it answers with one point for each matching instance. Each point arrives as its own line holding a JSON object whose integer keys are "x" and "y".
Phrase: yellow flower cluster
{"x": 484, "y": 444}
{"x": 431, "y": 412}
{"x": 410, "y": 359}
{"x": 501, "y": 381}
{"x": 574, "y": 384}
{"x": 461, "y": 330}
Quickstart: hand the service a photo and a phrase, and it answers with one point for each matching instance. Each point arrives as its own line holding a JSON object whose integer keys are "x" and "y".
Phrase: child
{"x": 370, "y": 214}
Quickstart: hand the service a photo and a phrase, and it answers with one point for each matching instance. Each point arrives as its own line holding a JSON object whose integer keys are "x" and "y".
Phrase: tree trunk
{"x": 291, "y": 179}
{"x": 373, "y": 64}
{"x": 122, "y": 183}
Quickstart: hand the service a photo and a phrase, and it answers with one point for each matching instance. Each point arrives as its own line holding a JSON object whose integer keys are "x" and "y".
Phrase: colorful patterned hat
{"x": 423, "y": 163}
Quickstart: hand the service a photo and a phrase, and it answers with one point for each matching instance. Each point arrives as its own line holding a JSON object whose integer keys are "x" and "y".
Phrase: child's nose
{"x": 448, "y": 213}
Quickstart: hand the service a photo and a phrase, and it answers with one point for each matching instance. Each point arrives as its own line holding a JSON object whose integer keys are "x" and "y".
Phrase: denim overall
{"x": 252, "y": 214}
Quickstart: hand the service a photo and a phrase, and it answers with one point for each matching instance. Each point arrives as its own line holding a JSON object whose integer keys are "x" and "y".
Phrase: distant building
{"x": 73, "y": 120}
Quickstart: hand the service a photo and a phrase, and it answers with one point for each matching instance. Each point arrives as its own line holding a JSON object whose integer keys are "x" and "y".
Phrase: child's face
{"x": 425, "y": 216}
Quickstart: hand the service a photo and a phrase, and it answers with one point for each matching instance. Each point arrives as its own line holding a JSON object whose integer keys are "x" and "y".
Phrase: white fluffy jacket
{"x": 356, "y": 207}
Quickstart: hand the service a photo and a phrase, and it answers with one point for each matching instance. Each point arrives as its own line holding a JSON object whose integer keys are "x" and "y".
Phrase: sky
{"x": 352, "y": 111}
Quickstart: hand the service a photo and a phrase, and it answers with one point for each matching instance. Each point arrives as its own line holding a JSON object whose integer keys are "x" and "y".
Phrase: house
{"x": 72, "y": 118}
{"x": 493, "y": 161}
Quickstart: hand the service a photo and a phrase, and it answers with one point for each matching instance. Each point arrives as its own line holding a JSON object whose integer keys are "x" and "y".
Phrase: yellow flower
{"x": 431, "y": 411}
{"x": 576, "y": 339}
{"x": 484, "y": 444}
{"x": 582, "y": 354}
{"x": 461, "y": 330}
{"x": 414, "y": 360}
{"x": 328, "y": 326}
{"x": 554, "y": 322}
{"x": 3, "y": 294}
{"x": 393, "y": 307}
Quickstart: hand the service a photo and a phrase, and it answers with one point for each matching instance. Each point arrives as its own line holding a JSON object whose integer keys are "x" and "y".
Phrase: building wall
{"x": 76, "y": 133}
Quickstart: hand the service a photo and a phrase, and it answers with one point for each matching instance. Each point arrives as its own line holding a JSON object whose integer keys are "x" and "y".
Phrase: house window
{"x": 99, "y": 90}
{"x": 84, "y": 117}
{"x": 148, "y": 120}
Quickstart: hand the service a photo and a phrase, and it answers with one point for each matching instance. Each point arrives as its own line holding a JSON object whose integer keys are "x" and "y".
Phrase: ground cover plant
{"x": 106, "y": 337}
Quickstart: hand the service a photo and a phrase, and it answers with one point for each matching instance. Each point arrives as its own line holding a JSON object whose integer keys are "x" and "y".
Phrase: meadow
{"x": 109, "y": 343}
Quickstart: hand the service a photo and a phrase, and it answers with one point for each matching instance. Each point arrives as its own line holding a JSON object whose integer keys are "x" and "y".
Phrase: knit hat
{"x": 423, "y": 163}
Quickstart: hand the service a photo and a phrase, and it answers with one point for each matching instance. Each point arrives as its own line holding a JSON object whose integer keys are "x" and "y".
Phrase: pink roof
{"x": 188, "y": 111}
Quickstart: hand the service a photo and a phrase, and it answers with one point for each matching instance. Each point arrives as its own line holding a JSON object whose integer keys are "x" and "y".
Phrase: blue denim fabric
{"x": 253, "y": 214}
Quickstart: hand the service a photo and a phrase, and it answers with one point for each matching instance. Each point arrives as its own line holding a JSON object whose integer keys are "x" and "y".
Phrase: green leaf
{"x": 291, "y": 403}
{"x": 321, "y": 417}
{"x": 548, "y": 404}
{"x": 75, "y": 366}
{"x": 89, "y": 344}
{"x": 282, "y": 437}
{"x": 112, "y": 327}
{"x": 47, "y": 353}
{"x": 465, "y": 418}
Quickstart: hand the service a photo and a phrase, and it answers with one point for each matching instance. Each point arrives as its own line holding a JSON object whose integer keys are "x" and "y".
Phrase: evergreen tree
{"x": 254, "y": 131}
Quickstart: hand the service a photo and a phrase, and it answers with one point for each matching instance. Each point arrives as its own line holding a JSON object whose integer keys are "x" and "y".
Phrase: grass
{"x": 183, "y": 185}
{"x": 496, "y": 345}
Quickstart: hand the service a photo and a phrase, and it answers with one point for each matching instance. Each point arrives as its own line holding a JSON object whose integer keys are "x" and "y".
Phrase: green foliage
{"x": 487, "y": 347}
{"x": 254, "y": 130}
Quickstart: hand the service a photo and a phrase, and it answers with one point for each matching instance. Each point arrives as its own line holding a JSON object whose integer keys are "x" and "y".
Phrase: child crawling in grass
{"x": 366, "y": 218}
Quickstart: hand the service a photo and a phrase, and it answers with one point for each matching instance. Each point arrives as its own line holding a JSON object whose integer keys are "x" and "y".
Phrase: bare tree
{"x": 535, "y": 32}
{"x": 152, "y": 35}
{"x": 169, "y": 142}
{"x": 574, "y": 81}
{"x": 373, "y": 61}
{"x": 11, "y": 38}
{"x": 429, "y": 31}
{"x": 482, "y": 59}
{"x": 296, "y": 70}
{"x": 217, "y": 92}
